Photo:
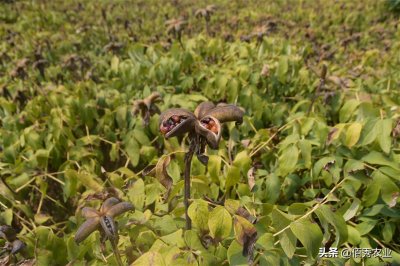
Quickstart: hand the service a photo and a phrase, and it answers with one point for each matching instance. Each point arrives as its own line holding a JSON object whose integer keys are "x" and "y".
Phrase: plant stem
{"x": 186, "y": 195}
{"x": 116, "y": 252}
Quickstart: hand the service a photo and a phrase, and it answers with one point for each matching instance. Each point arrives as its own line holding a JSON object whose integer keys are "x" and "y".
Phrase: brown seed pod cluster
{"x": 203, "y": 125}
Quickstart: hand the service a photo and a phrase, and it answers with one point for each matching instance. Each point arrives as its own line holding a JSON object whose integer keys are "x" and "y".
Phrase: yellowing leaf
{"x": 220, "y": 223}
{"x": 198, "y": 213}
{"x": 150, "y": 258}
{"x": 353, "y": 134}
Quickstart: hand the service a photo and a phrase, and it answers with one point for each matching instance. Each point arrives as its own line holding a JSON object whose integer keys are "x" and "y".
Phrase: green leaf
{"x": 305, "y": 148}
{"x": 174, "y": 239}
{"x": 369, "y": 132}
{"x": 214, "y": 167}
{"x": 324, "y": 213}
{"x": 136, "y": 194}
{"x": 150, "y": 258}
{"x": 283, "y": 67}
{"x": 352, "y": 210}
{"x": 353, "y": 134}
{"x": 114, "y": 63}
{"x": 287, "y": 239}
{"x": 235, "y": 256}
{"x": 388, "y": 231}
{"x": 132, "y": 148}
{"x": 193, "y": 241}
{"x": 366, "y": 227}
{"x": 220, "y": 223}
{"x": 232, "y": 176}
{"x": 288, "y": 160}
{"x": 272, "y": 188}
{"x": 347, "y": 110}
{"x": 242, "y": 161}
{"x": 378, "y": 158}
{"x": 309, "y": 234}
{"x": 88, "y": 180}
{"x": 384, "y": 138}
{"x": 198, "y": 213}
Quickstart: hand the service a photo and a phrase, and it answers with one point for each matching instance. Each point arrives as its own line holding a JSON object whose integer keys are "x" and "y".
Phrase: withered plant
{"x": 203, "y": 127}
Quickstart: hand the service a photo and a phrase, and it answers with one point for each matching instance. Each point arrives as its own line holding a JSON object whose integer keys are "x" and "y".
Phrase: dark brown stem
{"x": 188, "y": 163}
{"x": 114, "y": 246}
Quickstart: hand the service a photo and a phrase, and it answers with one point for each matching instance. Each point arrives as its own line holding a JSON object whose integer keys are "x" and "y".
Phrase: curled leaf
{"x": 250, "y": 178}
{"x": 162, "y": 175}
{"x": 246, "y": 234}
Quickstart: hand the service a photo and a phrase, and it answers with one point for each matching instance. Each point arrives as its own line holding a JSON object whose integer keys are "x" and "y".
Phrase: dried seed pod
{"x": 109, "y": 227}
{"x": 119, "y": 208}
{"x": 108, "y": 203}
{"x": 88, "y": 227}
{"x": 227, "y": 113}
{"x": 88, "y": 212}
{"x": 203, "y": 108}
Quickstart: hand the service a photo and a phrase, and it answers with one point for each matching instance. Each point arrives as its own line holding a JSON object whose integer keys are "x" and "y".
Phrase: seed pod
{"x": 88, "y": 212}
{"x": 119, "y": 209}
{"x": 88, "y": 227}
{"x": 109, "y": 227}
{"x": 202, "y": 109}
{"x": 184, "y": 124}
{"x": 108, "y": 203}
{"x": 212, "y": 136}
{"x": 226, "y": 113}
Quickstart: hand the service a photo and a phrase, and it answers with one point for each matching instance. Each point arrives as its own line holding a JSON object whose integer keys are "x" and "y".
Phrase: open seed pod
{"x": 210, "y": 128}
{"x": 109, "y": 227}
{"x": 175, "y": 122}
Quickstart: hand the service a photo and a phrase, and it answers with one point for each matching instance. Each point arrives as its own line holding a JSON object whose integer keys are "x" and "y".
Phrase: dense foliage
{"x": 315, "y": 163}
